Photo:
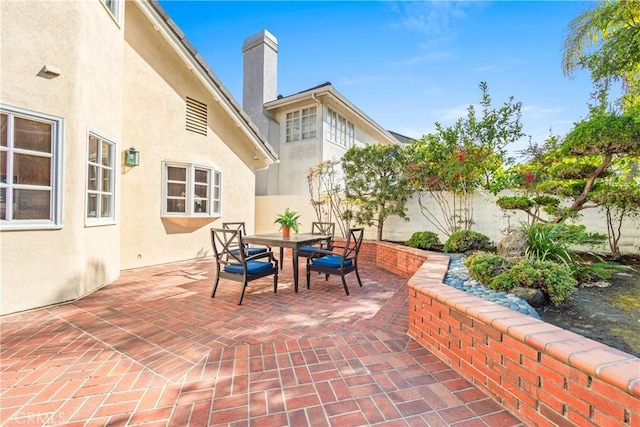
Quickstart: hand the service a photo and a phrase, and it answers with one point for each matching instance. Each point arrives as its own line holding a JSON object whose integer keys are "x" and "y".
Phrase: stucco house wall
{"x": 156, "y": 85}
{"x": 125, "y": 78}
{"x": 84, "y": 43}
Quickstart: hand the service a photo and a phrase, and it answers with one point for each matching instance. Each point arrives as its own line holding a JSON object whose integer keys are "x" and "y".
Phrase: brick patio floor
{"x": 154, "y": 349}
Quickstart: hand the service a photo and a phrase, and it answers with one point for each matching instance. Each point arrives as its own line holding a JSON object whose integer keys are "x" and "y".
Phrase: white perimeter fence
{"x": 488, "y": 219}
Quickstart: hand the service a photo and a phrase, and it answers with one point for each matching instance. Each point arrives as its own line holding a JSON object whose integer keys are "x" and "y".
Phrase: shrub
{"x": 467, "y": 240}
{"x": 424, "y": 240}
{"x": 553, "y": 279}
{"x": 515, "y": 202}
{"x": 553, "y": 242}
{"x": 485, "y": 266}
{"x": 545, "y": 200}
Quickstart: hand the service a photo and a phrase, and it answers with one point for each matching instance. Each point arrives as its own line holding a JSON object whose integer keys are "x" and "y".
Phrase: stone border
{"x": 541, "y": 373}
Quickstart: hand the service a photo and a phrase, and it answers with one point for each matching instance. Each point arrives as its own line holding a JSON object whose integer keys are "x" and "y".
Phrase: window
{"x": 30, "y": 172}
{"x": 341, "y": 131}
{"x": 100, "y": 179}
{"x": 113, "y": 6}
{"x": 191, "y": 190}
{"x": 301, "y": 124}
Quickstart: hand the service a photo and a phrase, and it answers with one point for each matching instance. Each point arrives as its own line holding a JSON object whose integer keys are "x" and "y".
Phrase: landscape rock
{"x": 513, "y": 244}
{"x": 535, "y": 297}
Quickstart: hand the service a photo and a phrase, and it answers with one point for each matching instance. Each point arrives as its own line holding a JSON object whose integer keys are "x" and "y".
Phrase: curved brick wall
{"x": 543, "y": 374}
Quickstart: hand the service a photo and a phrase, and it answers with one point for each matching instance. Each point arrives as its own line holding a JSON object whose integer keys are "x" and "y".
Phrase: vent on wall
{"x": 196, "y": 116}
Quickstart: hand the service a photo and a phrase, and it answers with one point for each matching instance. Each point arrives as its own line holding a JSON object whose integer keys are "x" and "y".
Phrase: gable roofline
{"x": 170, "y": 31}
{"x": 402, "y": 138}
{"x": 327, "y": 90}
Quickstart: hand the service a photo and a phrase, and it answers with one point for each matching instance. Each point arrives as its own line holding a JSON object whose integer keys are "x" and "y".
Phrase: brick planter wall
{"x": 543, "y": 374}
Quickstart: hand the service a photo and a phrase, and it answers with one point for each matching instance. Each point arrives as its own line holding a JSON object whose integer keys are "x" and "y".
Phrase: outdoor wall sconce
{"x": 132, "y": 157}
{"x": 49, "y": 72}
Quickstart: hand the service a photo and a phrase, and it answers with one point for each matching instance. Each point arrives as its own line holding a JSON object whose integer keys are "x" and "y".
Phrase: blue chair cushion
{"x": 250, "y": 251}
{"x": 331, "y": 261}
{"x": 308, "y": 249}
{"x": 253, "y": 267}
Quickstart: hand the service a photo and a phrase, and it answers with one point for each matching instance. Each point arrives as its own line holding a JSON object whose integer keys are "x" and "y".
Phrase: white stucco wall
{"x": 156, "y": 85}
{"x": 41, "y": 267}
{"x": 489, "y": 219}
{"x": 297, "y": 157}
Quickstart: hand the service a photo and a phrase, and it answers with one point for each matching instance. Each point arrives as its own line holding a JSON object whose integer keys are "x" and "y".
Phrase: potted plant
{"x": 287, "y": 221}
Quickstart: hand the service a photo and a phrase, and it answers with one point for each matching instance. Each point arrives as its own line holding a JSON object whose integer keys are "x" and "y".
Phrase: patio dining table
{"x": 294, "y": 241}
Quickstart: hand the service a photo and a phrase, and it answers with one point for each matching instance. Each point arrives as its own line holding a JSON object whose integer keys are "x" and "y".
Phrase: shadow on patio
{"x": 153, "y": 348}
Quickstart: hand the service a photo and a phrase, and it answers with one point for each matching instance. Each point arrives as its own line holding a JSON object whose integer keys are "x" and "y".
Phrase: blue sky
{"x": 406, "y": 64}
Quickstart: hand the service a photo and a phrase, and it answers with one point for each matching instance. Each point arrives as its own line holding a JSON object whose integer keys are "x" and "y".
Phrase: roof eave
{"x": 175, "y": 37}
{"x": 331, "y": 92}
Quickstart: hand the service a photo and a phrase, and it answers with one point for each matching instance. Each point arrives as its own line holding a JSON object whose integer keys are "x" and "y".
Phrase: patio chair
{"x": 322, "y": 228}
{"x": 237, "y": 265}
{"x": 251, "y": 250}
{"x": 341, "y": 260}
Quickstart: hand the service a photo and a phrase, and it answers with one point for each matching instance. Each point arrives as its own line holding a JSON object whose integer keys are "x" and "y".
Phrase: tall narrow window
{"x": 30, "y": 176}
{"x": 191, "y": 190}
{"x": 100, "y": 176}
{"x": 301, "y": 124}
{"x": 340, "y": 130}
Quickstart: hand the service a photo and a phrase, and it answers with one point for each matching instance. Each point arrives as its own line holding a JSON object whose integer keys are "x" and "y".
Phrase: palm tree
{"x": 606, "y": 40}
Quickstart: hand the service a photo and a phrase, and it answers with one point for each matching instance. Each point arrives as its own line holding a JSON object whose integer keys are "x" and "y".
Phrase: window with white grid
{"x": 341, "y": 131}
{"x": 100, "y": 180}
{"x": 30, "y": 169}
{"x": 301, "y": 124}
{"x": 191, "y": 190}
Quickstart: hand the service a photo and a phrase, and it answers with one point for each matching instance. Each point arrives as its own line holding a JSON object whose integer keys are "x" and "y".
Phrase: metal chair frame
{"x": 226, "y": 247}
{"x": 349, "y": 252}
{"x": 324, "y": 228}
{"x": 240, "y": 226}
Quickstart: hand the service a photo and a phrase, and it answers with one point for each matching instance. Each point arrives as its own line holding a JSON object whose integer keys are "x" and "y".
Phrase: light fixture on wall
{"x": 132, "y": 157}
{"x": 49, "y": 72}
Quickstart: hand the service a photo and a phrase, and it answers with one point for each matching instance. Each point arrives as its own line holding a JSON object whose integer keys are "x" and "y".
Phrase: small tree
{"x": 459, "y": 159}
{"x": 375, "y": 184}
{"x": 327, "y": 195}
{"x": 618, "y": 203}
{"x": 595, "y": 152}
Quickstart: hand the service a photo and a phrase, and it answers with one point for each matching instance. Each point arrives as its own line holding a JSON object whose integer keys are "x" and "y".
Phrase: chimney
{"x": 260, "y": 76}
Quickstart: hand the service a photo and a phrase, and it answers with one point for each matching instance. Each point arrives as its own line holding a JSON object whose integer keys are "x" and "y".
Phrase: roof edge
{"x": 159, "y": 16}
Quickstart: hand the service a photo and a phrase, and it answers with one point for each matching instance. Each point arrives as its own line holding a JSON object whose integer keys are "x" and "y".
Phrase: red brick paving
{"x": 153, "y": 349}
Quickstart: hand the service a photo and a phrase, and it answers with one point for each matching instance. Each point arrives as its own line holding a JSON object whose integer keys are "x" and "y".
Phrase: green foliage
{"x": 602, "y": 150}
{"x": 604, "y": 133}
{"x": 601, "y": 269}
{"x": 566, "y": 189}
{"x": 424, "y": 240}
{"x": 606, "y": 41}
{"x": 545, "y": 200}
{"x": 485, "y": 266}
{"x": 619, "y": 202}
{"x": 574, "y": 170}
{"x": 375, "y": 183}
{"x": 515, "y": 202}
{"x": 555, "y": 280}
{"x": 553, "y": 242}
{"x": 467, "y": 240}
{"x": 461, "y": 158}
{"x": 288, "y": 219}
